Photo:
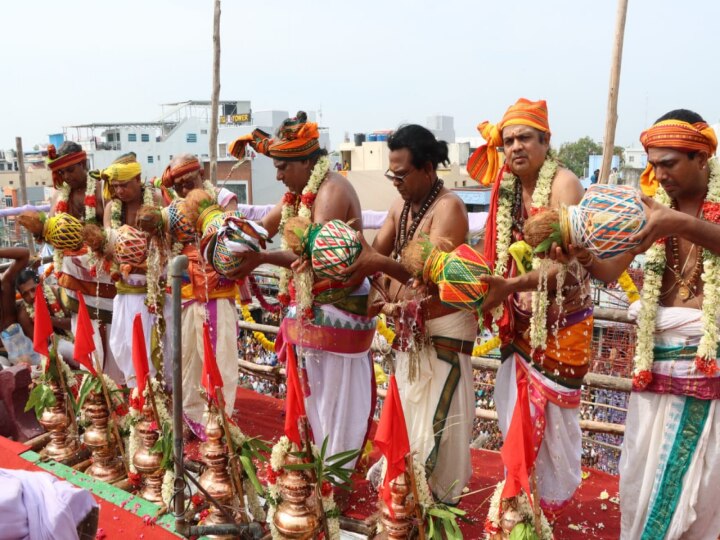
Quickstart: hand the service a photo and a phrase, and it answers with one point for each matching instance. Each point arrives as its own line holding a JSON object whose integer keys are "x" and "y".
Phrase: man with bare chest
{"x": 432, "y": 359}
{"x": 332, "y": 338}
{"x": 80, "y": 193}
{"x": 129, "y": 193}
{"x": 670, "y": 462}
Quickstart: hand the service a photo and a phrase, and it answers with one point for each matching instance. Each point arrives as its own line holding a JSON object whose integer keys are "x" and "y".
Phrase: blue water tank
{"x": 57, "y": 139}
{"x": 382, "y": 137}
{"x": 372, "y": 137}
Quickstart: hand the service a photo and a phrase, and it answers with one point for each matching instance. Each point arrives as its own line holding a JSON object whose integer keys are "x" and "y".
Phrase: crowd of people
{"x": 542, "y": 311}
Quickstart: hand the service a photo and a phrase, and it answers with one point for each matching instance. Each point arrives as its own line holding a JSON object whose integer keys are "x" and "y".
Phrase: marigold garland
{"x": 384, "y": 331}
{"x": 486, "y": 346}
{"x": 260, "y": 336}
{"x": 628, "y": 285}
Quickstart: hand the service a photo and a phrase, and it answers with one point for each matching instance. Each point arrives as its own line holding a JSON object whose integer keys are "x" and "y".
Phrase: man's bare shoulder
{"x": 336, "y": 185}
{"x": 450, "y": 203}
{"x": 566, "y": 187}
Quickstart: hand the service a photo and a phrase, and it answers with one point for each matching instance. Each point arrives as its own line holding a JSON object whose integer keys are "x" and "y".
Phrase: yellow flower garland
{"x": 264, "y": 341}
{"x": 628, "y": 285}
{"x": 486, "y": 346}
{"x": 384, "y": 331}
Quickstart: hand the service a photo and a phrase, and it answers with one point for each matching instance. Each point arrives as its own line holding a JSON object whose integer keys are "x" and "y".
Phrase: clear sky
{"x": 368, "y": 65}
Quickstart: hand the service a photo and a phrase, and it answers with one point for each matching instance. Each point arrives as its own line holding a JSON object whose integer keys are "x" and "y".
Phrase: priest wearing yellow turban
{"x": 544, "y": 344}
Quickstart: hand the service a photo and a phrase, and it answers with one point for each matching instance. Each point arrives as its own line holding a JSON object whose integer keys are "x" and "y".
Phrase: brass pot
{"x": 403, "y": 506}
{"x": 293, "y": 517}
{"x": 54, "y": 419}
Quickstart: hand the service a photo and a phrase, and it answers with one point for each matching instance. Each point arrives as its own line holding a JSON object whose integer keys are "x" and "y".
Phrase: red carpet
{"x": 115, "y": 522}
{"x": 588, "y": 517}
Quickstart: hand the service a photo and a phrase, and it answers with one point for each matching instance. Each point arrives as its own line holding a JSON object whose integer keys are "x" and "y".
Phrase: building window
{"x": 203, "y": 132}
{"x": 158, "y": 159}
{"x": 2, "y": 166}
{"x": 222, "y": 150}
{"x": 631, "y": 159}
{"x": 110, "y": 137}
{"x": 150, "y": 159}
{"x": 145, "y": 137}
{"x": 191, "y": 137}
{"x": 132, "y": 137}
{"x": 11, "y": 182}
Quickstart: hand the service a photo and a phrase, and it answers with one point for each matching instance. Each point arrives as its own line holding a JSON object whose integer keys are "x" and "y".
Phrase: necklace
{"x": 405, "y": 235}
{"x": 686, "y": 287}
{"x": 518, "y": 216}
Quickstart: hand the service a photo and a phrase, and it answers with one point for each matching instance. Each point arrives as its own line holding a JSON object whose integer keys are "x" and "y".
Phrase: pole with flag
{"x": 212, "y": 381}
{"x": 42, "y": 331}
{"x": 142, "y": 369}
{"x": 392, "y": 439}
{"x": 83, "y": 352}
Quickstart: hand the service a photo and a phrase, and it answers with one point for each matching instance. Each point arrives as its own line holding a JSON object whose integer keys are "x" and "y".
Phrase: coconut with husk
{"x": 544, "y": 229}
{"x": 95, "y": 238}
{"x": 151, "y": 220}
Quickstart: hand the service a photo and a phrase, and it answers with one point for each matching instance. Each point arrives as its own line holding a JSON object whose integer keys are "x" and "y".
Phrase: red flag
{"x": 139, "y": 358}
{"x": 391, "y": 438}
{"x": 42, "y": 330}
{"x": 84, "y": 342}
{"x": 294, "y": 399}
{"x": 211, "y": 378}
{"x": 517, "y": 451}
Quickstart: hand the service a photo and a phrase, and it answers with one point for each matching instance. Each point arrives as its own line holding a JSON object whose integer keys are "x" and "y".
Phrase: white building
{"x": 184, "y": 128}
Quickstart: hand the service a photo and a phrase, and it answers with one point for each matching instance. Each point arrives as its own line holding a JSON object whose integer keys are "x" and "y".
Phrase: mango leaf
{"x": 523, "y": 531}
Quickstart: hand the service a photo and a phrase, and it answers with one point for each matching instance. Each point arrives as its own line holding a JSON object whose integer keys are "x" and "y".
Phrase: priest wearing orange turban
{"x": 333, "y": 340}
{"x": 670, "y": 462}
{"x": 544, "y": 344}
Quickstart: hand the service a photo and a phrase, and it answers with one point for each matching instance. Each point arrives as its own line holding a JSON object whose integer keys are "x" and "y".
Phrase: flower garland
{"x": 63, "y": 206}
{"x": 384, "y": 331}
{"x": 264, "y": 341}
{"x": 210, "y": 190}
{"x": 278, "y": 455}
{"x": 628, "y": 285}
{"x": 504, "y": 223}
{"x": 486, "y": 346}
{"x": 492, "y": 523}
{"x": 655, "y": 263}
{"x": 290, "y": 209}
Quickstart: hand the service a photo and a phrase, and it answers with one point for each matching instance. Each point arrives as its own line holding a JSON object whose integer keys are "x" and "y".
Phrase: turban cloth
{"x": 123, "y": 169}
{"x": 484, "y": 164}
{"x": 56, "y": 164}
{"x": 297, "y": 140}
{"x": 178, "y": 169}
{"x": 678, "y": 135}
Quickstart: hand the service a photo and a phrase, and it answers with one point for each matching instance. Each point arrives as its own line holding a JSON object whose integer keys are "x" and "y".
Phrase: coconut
{"x": 542, "y": 227}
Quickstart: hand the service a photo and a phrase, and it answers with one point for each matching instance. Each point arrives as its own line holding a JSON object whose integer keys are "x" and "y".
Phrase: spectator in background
{"x": 595, "y": 177}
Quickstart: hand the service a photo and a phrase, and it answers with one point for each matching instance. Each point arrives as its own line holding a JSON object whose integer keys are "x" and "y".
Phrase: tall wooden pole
{"x": 611, "y": 120}
{"x": 215, "y": 94}
{"x": 23, "y": 188}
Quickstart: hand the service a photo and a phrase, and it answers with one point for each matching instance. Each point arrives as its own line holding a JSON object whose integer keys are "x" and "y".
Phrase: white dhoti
{"x": 223, "y": 321}
{"x": 334, "y": 352}
{"x": 670, "y": 461}
{"x": 439, "y": 405}
{"x": 125, "y": 307}
{"x": 558, "y": 459}
{"x": 340, "y": 400}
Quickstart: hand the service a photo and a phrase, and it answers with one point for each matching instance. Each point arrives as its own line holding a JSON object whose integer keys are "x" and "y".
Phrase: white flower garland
{"x": 655, "y": 263}
{"x": 523, "y": 508}
{"x": 70, "y": 377}
{"x": 278, "y": 455}
{"x": 210, "y": 190}
{"x": 317, "y": 176}
{"x": 504, "y": 218}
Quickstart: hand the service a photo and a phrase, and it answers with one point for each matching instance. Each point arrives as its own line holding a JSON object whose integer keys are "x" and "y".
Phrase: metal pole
{"x": 23, "y": 188}
{"x": 215, "y": 94}
{"x": 611, "y": 120}
{"x": 178, "y": 266}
